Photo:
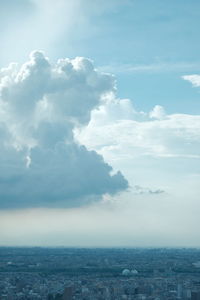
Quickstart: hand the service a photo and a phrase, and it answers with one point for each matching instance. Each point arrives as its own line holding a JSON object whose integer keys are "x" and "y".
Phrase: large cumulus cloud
{"x": 40, "y": 106}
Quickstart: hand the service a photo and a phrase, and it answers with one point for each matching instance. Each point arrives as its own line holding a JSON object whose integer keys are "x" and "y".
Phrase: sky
{"x": 100, "y": 123}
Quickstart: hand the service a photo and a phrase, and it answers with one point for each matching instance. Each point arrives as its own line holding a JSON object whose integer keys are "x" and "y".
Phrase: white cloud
{"x": 40, "y": 105}
{"x": 158, "y": 112}
{"x": 135, "y": 134}
{"x": 155, "y": 150}
{"x": 194, "y": 79}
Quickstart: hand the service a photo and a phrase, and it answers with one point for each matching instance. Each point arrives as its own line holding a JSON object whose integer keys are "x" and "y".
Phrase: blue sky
{"x": 148, "y": 45}
{"x": 135, "y": 135}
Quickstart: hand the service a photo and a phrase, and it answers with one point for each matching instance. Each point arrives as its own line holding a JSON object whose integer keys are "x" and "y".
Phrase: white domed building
{"x": 126, "y": 272}
{"x": 134, "y": 272}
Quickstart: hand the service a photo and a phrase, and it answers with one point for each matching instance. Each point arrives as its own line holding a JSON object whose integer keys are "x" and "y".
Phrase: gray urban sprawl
{"x": 99, "y": 274}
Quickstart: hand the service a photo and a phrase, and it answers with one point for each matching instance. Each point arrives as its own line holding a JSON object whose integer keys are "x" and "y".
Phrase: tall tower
{"x": 179, "y": 291}
{"x": 68, "y": 293}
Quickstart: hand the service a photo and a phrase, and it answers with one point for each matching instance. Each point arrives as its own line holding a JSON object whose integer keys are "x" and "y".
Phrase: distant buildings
{"x": 99, "y": 274}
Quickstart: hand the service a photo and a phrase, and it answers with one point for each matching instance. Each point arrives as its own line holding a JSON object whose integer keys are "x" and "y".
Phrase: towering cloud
{"x": 40, "y": 106}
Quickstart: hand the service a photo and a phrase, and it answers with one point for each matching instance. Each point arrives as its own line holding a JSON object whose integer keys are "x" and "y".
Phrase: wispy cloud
{"x": 157, "y": 67}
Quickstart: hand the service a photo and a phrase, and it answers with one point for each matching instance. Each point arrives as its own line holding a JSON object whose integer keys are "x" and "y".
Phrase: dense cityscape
{"x": 99, "y": 274}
